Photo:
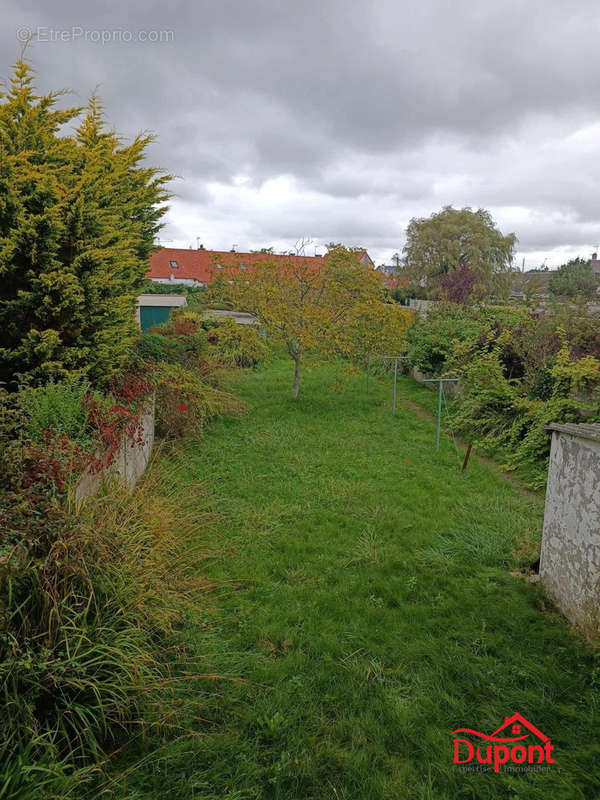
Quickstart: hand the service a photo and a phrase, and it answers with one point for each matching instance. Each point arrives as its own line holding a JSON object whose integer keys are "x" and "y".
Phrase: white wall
{"x": 570, "y": 557}
{"x": 178, "y": 281}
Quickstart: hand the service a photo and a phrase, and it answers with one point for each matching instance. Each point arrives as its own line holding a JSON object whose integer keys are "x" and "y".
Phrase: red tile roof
{"x": 200, "y": 265}
{"x": 394, "y": 281}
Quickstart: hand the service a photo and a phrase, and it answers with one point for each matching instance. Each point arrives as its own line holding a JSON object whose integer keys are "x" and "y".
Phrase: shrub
{"x": 542, "y": 385}
{"x": 498, "y": 415}
{"x": 196, "y": 340}
{"x": 50, "y": 435}
{"x": 180, "y": 340}
{"x": 59, "y": 407}
{"x": 487, "y": 404}
{"x": 154, "y": 346}
{"x": 185, "y": 402}
{"x": 519, "y": 371}
{"x": 529, "y": 439}
{"x": 236, "y": 345}
{"x": 433, "y": 340}
{"x": 452, "y": 334}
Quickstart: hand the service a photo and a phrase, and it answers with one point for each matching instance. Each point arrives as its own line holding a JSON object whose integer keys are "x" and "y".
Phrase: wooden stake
{"x": 467, "y": 454}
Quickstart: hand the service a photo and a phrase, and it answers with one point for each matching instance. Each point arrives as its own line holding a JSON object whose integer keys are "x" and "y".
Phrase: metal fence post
{"x": 440, "y": 382}
{"x": 395, "y": 359}
{"x": 439, "y": 419}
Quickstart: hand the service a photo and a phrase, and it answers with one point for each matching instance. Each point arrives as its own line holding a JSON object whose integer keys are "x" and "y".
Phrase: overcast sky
{"x": 340, "y": 120}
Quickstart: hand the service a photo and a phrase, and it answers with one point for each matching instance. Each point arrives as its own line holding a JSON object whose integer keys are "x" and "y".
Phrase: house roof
{"x": 165, "y": 300}
{"x": 395, "y": 281}
{"x": 200, "y": 264}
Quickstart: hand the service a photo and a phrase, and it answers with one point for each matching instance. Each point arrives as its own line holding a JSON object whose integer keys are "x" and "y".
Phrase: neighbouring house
{"x": 534, "y": 280}
{"x": 199, "y": 267}
{"x": 388, "y": 269}
{"x": 595, "y": 264}
{"x": 394, "y": 281}
{"x": 154, "y": 309}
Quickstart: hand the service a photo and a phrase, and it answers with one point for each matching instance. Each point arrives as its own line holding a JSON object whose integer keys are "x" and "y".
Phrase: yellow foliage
{"x": 336, "y": 307}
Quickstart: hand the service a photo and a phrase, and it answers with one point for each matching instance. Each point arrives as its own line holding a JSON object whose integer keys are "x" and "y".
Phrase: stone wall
{"x": 570, "y": 556}
{"x": 130, "y": 461}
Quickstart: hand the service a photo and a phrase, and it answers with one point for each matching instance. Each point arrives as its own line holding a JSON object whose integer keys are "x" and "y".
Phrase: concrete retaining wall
{"x": 241, "y": 317}
{"x": 129, "y": 463}
{"x": 570, "y": 556}
{"x": 451, "y": 389}
{"x": 421, "y": 307}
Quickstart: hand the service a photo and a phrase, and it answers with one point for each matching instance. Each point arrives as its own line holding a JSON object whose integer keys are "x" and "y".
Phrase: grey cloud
{"x": 377, "y": 111}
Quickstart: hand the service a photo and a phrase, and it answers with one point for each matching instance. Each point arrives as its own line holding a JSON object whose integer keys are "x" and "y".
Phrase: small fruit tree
{"x": 328, "y": 306}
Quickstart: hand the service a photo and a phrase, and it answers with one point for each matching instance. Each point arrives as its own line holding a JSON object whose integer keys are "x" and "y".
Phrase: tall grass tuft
{"x": 89, "y": 598}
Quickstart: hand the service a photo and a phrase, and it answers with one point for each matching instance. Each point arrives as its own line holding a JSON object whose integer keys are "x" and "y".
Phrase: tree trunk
{"x": 296, "y": 375}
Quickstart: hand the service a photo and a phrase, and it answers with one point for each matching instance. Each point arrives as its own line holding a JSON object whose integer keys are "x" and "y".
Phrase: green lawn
{"x": 363, "y": 596}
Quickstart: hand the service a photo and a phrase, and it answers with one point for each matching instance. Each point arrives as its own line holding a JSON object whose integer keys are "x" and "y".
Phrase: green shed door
{"x": 153, "y": 315}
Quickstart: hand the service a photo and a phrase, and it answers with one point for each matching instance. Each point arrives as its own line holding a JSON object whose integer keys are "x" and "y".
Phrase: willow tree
{"x": 318, "y": 306}
{"x": 79, "y": 213}
{"x": 458, "y": 244}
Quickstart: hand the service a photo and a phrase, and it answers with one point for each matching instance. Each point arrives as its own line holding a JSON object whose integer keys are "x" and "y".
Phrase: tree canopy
{"x": 79, "y": 214}
{"x": 574, "y": 279}
{"x": 459, "y": 241}
{"x": 335, "y": 307}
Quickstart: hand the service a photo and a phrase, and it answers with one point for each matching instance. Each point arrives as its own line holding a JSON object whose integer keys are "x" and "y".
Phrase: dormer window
{"x": 173, "y": 264}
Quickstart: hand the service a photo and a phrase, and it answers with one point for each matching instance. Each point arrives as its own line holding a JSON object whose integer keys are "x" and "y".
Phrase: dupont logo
{"x": 516, "y": 741}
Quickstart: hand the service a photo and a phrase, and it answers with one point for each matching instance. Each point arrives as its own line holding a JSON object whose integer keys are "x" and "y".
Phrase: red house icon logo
{"x": 516, "y": 741}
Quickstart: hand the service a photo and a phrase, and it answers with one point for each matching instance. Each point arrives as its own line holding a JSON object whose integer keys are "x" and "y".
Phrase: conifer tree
{"x": 79, "y": 213}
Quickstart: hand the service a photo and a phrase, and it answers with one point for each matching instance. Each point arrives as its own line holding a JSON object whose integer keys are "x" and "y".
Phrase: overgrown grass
{"x": 88, "y": 614}
{"x": 89, "y": 595}
{"x": 366, "y": 607}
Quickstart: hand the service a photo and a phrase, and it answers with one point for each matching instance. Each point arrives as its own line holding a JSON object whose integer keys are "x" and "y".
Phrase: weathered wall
{"x": 450, "y": 389}
{"x": 570, "y": 557}
{"x": 422, "y": 306}
{"x": 130, "y": 461}
{"x": 241, "y": 317}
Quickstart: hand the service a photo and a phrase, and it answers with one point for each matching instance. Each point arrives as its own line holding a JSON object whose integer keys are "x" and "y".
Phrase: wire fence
{"x": 442, "y": 401}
